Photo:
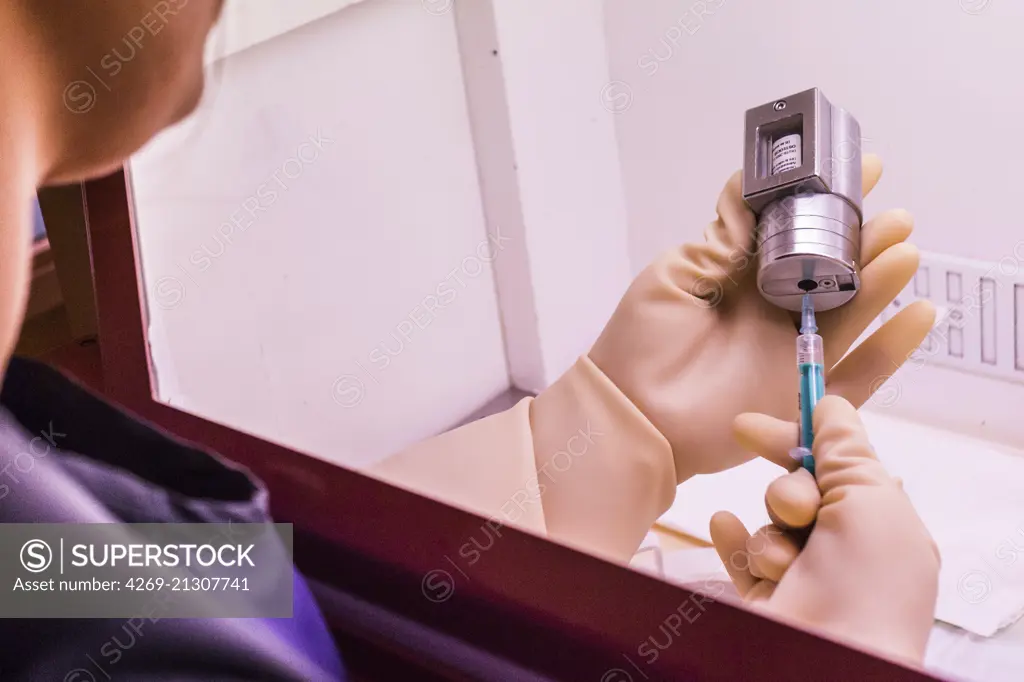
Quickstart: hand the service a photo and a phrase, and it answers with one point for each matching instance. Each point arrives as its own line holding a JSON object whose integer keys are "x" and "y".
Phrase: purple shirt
{"x": 102, "y": 466}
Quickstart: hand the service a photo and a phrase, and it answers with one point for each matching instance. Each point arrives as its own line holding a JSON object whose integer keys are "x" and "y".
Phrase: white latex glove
{"x": 694, "y": 343}
{"x": 846, "y": 554}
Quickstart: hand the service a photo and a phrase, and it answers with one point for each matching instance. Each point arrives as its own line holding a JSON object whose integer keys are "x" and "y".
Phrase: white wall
{"x": 244, "y": 23}
{"x": 459, "y": 131}
{"x": 550, "y": 174}
{"x": 283, "y": 331}
{"x": 933, "y": 86}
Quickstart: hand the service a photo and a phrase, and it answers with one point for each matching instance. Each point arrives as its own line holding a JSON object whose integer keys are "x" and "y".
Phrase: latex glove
{"x": 692, "y": 365}
{"x": 868, "y": 570}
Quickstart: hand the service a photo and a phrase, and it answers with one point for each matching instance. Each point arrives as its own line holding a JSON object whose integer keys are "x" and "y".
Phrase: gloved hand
{"x": 847, "y": 553}
{"x": 693, "y": 343}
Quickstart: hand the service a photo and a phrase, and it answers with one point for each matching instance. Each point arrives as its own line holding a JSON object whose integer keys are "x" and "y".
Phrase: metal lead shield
{"x": 802, "y": 177}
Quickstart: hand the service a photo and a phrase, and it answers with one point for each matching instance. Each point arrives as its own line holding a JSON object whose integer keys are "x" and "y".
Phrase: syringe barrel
{"x": 809, "y": 350}
{"x": 811, "y": 365}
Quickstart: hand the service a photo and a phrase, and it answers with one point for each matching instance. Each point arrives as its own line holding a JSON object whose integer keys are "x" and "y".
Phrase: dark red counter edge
{"x": 561, "y": 613}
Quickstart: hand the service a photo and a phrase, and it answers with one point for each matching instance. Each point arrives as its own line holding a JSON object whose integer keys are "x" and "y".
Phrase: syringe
{"x": 810, "y": 360}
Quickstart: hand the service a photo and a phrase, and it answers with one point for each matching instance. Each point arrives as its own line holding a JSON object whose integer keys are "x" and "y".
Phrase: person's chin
{"x": 103, "y": 151}
{"x": 86, "y": 161}
{"x": 83, "y": 171}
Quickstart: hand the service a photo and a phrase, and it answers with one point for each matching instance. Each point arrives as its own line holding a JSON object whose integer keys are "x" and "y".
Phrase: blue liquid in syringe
{"x": 812, "y": 389}
{"x": 810, "y": 360}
